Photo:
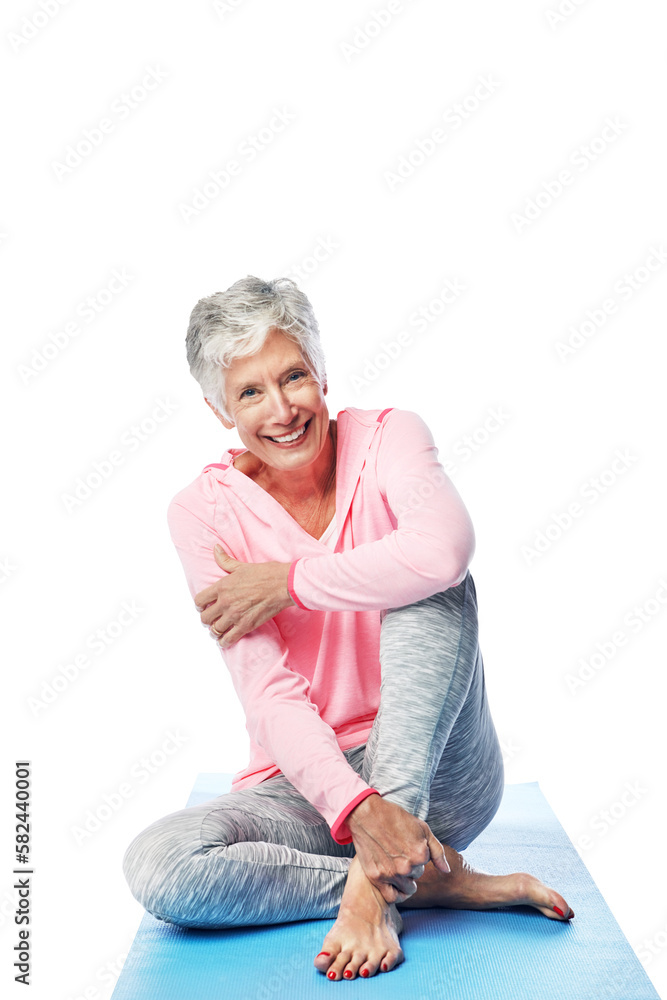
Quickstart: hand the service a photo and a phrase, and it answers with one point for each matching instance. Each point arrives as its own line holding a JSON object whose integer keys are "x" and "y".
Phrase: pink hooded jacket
{"x": 309, "y": 679}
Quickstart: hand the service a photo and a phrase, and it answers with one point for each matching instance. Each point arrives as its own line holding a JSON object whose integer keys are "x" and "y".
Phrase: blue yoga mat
{"x": 516, "y": 953}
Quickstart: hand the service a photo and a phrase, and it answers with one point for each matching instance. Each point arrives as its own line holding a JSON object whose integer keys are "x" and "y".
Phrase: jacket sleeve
{"x": 429, "y": 550}
{"x": 280, "y": 717}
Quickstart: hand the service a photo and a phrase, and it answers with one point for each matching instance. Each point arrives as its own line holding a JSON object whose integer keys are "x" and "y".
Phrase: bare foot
{"x": 364, "y": 938}
{"x": 467, "y": 888}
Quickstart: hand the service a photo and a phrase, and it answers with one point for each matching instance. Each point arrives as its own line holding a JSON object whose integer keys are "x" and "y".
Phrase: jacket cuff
{"x": 339, "y": 828}
{"x": 290, "y": 587}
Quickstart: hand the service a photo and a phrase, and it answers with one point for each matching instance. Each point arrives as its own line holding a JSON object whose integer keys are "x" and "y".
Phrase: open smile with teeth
{"x": 291, "y": 437}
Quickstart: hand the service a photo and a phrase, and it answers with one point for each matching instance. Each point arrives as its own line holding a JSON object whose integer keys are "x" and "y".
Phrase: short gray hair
{"x": 235, "y": 324}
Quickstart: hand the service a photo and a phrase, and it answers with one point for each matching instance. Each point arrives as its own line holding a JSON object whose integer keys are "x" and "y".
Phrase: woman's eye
{"x": 298, "y": 374}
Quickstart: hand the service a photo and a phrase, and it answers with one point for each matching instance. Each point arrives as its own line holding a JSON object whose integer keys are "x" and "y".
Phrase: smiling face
{"x": 272, "y": 394}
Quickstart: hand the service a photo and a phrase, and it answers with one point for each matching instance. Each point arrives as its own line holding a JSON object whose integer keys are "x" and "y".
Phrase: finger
{"x": 222, "y": 558}
{"x": 401, "y": 897}
{"x": 206, "y": 596}
{"x": 390, "y": 893}
{"x": 217, "y": 629}
{"x": 403, "y": 886}
{"x": 408, "y": 887}
{"x": 201, "y": 602}
{"x": 209, "y": 594}
{"x": 222, "y": 640}
{"x": 438, "y": 854}
{"x": 232, "y": 635}
{"x": 213, "y": 612}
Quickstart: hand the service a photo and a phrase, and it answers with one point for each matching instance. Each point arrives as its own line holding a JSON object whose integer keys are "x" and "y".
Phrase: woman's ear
{"x": 219, "y": 415}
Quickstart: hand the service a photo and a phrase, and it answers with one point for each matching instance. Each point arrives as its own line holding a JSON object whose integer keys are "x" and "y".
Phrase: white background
{"x": 357, "y": 104}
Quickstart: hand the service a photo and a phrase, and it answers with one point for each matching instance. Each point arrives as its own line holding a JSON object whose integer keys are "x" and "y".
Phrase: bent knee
{"x": 142, "y": 864}
{"x": 160, "y": 864}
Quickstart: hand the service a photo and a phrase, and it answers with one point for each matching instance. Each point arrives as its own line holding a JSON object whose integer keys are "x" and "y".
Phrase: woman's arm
{"x": 280, "y": 718}
{"x": 428, "y": 551}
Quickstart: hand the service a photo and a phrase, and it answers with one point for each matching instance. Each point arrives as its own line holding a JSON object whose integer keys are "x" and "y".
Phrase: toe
{"x": 352, "y": 968}
{"x": 324, "y": 960}
{"x": 556, "y": 911}
{"x": 364, "y": 965}
{"x": 391, "y": 960}
{"x": 339, "y": 965}
{"x": 370, "y": 967}
{"x": 530, "y": 890}
{"x": 558, "y": 906}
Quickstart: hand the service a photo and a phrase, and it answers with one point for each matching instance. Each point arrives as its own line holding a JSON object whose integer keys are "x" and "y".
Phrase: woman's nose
{"x": 282, "y": 410}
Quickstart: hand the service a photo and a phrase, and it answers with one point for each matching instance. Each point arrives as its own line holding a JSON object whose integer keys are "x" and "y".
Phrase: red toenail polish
{"x": 384, "y": 967}
{"x": 559, "y": 911}
{"x": 324, "y": 953}
{"x": 571, "y": 915}
{"x": 332, "y": 975}
{"x": 364, "y": 972}
{"x": 347, "y": 974}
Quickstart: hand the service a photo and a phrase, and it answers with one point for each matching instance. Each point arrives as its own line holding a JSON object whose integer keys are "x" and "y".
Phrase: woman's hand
{"x": 393, "y": 847}
{"x": 251, "y": 594}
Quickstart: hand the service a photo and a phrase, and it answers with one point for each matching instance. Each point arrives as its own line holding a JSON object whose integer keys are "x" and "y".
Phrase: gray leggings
{"x": 264, "y": 855}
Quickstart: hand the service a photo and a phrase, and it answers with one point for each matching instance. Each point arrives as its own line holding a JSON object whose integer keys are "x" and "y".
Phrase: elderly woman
{"x": 329, "y": 559}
